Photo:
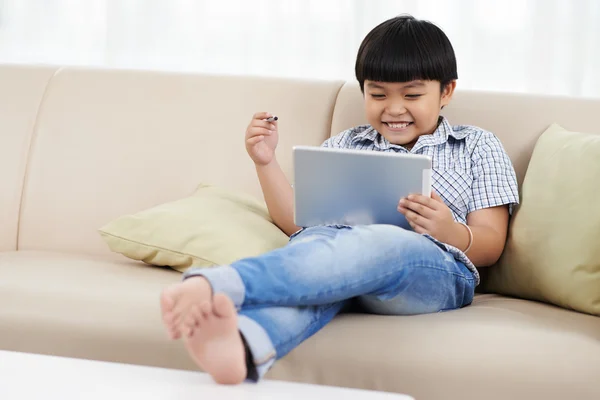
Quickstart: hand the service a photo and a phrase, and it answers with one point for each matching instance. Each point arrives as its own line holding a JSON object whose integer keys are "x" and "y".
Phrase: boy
{"x": 237, "y": 320}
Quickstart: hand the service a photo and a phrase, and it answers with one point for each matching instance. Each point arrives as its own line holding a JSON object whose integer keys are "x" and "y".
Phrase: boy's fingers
{"x": 258, "y": 131}
{"x": 419, "y": 229}
{"x": 263, "y": 124}
{"x": 417, "y": 219}
{"x": 416, "y": 227}
{"x": 436, "y": 196}
{"x": 261, "y": 115}
{"x": 424, "y": 200}
{"x": 418, "y": 208}
{"x": 255, "y": 139}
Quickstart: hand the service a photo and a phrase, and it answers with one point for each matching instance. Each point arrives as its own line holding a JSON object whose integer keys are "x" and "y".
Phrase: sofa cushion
{"x": 552, "y": 253}
{"x": 215, "y": 226}
{"x": 497, "y": 348}
{"x": 102, "y": 308}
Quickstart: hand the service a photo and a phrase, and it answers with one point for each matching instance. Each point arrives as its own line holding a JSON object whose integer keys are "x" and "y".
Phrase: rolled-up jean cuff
{"x": 222, "y": 280}
{"x": 263, "y": 352}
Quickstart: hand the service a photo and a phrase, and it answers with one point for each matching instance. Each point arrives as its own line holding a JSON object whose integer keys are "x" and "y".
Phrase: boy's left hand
{"x": 429, "y": 215}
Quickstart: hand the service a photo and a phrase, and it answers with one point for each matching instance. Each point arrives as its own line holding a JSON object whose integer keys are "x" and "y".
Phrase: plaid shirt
{"x": 471, "y": 170}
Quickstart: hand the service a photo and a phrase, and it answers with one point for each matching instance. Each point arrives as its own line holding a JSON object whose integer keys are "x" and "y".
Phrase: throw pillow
{"x": 553, "y": 249}
{"x": 215, "y": 226}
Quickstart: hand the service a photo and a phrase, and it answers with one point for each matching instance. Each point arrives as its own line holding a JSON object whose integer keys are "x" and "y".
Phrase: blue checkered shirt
{"x": 471, "y": 169}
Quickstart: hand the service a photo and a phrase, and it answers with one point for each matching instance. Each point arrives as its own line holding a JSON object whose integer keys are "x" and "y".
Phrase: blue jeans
{"x": 287, "y": 295}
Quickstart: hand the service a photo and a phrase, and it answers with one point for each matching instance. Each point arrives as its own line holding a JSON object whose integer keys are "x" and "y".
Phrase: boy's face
{"x": 403, "y": 111}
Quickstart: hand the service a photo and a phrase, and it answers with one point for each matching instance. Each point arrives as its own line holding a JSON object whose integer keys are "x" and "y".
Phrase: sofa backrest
{"x": 110, "y": 142}
{"x": 517, "y": 119}
{"x": 21, "y": 92}
{"x": 80, "y": 147}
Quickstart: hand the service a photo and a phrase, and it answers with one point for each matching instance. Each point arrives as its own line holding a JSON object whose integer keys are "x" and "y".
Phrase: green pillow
{"x": 215, "y": 226}
{"x": 553, "y": 249}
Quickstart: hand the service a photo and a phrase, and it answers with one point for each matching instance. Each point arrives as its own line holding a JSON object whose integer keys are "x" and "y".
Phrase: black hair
{"x": 403, "y": 49}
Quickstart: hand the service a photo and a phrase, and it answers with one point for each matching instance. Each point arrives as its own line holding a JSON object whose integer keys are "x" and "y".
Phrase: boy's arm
{"x": 494, "y": 189}
{"x": 432, "y": 216}
{"x": 489, "y": 227}
{"x": 261, "y": 140}
{"x": 279, "y": 196}
{"x": 278, "y": 192}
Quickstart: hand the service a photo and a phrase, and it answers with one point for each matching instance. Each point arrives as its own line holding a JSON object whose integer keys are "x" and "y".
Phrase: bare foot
{"x": 215, "y": 344}
{"x": 177, "y": 300}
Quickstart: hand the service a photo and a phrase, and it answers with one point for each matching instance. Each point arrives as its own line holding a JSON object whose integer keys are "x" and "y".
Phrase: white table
{"x": 32, "y": 376}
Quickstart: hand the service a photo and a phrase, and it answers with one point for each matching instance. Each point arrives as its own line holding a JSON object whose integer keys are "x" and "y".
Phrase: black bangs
{"x": 404, "y": 49}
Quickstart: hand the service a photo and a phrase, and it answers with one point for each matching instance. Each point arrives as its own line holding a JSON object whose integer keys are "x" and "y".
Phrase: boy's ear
{"x": 447, "y": 93}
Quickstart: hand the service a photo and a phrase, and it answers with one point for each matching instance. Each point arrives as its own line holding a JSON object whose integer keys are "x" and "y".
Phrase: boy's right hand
{"x": 261, "y": 139}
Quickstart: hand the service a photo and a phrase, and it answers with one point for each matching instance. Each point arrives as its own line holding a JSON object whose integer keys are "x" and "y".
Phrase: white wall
{"x": 541, "y": 46}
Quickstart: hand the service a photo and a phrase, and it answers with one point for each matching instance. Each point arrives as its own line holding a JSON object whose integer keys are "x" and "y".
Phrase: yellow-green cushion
{"x": 553, "y": 249}
{"x": 215, "y": 226}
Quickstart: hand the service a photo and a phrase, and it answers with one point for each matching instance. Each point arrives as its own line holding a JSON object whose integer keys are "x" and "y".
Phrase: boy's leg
{"x": 233, "y": 347}
{"x": 272, "y": 332}
{"x": 326, "y": 265}
{"x": 381, "y": 264}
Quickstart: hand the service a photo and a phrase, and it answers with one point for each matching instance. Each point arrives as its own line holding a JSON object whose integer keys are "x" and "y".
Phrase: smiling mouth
{"x": 398, "y": 125}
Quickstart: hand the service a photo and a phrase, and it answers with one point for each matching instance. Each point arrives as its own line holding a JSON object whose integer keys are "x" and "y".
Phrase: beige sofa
{"x": 81, "y": 147}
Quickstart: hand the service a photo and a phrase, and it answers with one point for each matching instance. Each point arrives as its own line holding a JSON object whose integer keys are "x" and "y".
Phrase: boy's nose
{"x": 396, "y": 109}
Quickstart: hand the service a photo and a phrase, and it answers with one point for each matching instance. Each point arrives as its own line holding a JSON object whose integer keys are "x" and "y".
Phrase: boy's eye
{"x": 377, "y": 95}
{"x": 413, "y": 96}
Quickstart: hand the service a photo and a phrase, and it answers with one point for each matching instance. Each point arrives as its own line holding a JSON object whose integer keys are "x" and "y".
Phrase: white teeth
{"x": 398, "y": 126}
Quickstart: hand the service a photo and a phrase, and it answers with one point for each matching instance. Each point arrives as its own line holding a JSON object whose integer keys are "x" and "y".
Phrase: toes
{"x": 180, "y": 310}
{"x": 223, "y": 306}
{"x": 170, "y": 297}
{"x": 188, "y": 327}
{"x": 192, "y": 321}
{"x": 179, "y": 319}
{"x": 166, "y": 306}
{"x": 171, "y": 305}
{"x": 194, "y": 317}
{"x": 172, "y": 330}
{"x": 174, "y": 334}
{"x": 206, "y": 310}
{"x": 169, "y": 319}
{"x": 181, "y": 313}
{"x": 166, "y": 301}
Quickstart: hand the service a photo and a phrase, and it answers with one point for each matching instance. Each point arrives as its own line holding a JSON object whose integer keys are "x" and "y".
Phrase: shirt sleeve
{"x": 342, "y": 140}
{"x": 328, "y": 143}
{"x": 333, "y": 142}
{"x": 494, "y": 178}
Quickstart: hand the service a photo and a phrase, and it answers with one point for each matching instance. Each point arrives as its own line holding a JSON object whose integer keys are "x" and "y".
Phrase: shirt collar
{"x": 439, "y": 136}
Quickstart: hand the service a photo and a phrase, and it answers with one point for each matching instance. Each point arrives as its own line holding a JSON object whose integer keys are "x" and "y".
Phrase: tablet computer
{"x": 355, "y": 187}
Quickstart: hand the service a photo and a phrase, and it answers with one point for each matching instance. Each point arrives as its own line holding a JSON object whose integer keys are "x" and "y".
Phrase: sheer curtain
{"x": 539, "y": 46}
